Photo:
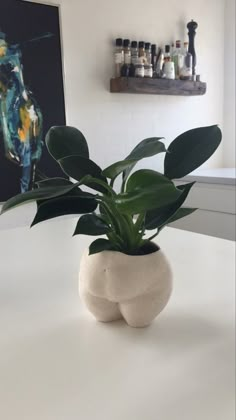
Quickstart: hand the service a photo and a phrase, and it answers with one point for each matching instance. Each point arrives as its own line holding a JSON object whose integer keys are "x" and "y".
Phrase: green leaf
{"x": 158, "y": 217}
{"x": 146, "y": 190}
{"x": 183, "y": 212}
{"x": 38, "y": 194}
{"x": 65, "y": 141}
{"x": 75, "y": 192}
{"x": 77, "y": 167}
{"x": 65, "y": 205}
{"x": 142, "y": 200}
{"x": 146, "y": 148}
{"x": 51, "y": 182}
{"x": 190, "y": 150}
{"x": 117, "y": 168}
{"x": 100, "y": 245}
{"x": 144, "y": 178}
{"x": 91, "y": 224}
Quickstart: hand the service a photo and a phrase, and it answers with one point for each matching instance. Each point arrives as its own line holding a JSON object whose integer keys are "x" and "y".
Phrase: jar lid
{"x": 126, "y": 42}
{"x": 147, "y": 45}
{"x": 134, "y": 44}
{"x": 141, "y": 44}
{"x": 119, "y": 42}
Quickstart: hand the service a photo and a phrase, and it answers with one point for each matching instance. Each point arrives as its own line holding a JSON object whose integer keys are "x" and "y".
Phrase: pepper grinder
{"x": 192, "y": 26}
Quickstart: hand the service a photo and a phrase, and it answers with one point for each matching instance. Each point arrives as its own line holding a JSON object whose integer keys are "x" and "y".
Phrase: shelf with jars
{"x": 157, "y": 86}
{"x": 141, "y": 67}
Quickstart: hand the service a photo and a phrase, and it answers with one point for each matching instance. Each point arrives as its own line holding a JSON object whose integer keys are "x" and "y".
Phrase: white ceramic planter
{"x": 115, "y": 285}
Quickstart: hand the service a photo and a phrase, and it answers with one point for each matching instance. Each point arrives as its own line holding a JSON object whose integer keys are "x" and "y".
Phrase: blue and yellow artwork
{"x": 31, "y": 93}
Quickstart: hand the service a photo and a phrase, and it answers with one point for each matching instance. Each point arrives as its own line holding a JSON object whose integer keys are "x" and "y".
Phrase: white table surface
{"x": 222, "y": 176}
{"x": 58, "y": 363}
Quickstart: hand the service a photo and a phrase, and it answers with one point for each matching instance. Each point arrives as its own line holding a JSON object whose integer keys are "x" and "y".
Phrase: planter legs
{"x": 138, "y": 312}
{"x": 142, "y": 310}
{"x": 102, "y": 309}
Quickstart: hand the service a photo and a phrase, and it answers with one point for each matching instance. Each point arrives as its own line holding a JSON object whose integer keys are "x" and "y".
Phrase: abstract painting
{"x": 31, "y": 93}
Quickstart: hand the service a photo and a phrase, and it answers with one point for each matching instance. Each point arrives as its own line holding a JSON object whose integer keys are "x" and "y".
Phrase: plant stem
{"x": 109, "y": 213}
{"x": 153, "y": 236}
{"x": 112, "y": 182}
{"x": 102, "y": 183}
{"x": 139, "y": 222}
{"x": 113, "y": 237}
{"x": 125, "y": 226}
{"x": 123, "y": 186}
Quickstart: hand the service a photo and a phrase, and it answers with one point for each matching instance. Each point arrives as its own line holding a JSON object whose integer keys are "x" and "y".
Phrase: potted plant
{"x": 125, "y": 274}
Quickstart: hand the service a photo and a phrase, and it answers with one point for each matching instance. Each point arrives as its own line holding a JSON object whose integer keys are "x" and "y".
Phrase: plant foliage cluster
{"x": 147, "y": 200}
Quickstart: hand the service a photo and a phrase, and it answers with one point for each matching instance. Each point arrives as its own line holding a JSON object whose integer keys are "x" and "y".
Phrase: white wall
{"x": 114, "y": 123}
{"x": 229, "y": 86}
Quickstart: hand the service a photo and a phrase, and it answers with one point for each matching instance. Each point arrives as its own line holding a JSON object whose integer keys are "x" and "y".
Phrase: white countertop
{"x": 226, "y": 176}
{"x": 58, "y": 363}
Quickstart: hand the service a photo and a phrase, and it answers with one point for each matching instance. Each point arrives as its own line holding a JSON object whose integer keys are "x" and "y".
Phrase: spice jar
{"x": 139, "y": 68}
{"x": 148, "y": 70}
{"x": 134, "y": 52}
{"x": 148, "y": 52}
{"x": 154, "y": 56}
{"x": 125, "y": 69}
{"x": 134, "y": 58}
{"x": 119, "y": 56}
{"x": 141, "y": 50}
{"x": 127, "y": 51}
{"x": 169, "y": 70}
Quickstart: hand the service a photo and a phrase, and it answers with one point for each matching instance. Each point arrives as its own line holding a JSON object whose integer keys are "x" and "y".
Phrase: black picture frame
{"x": 35, "y": 28}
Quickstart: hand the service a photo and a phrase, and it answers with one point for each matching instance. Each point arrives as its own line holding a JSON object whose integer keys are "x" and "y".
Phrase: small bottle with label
{"x": 169, "y": 70}
{"x": 172, "y": 49}
{"x": 148, "y": 53}
{"x": 141, "y": 50}
{"x": 160, "y": 64}
{"x": 178, "y": 58}
{"x": 139, "y": 68}
{"x": 125, "y": 69}
{"x": 167, "y": 56}
{"x": 119, "y": 56}
{"x": 154, "y": 56}
{"x": 186, "y": 69}
{"x": 134, "y": 58}
{"x": 148, "y": 71}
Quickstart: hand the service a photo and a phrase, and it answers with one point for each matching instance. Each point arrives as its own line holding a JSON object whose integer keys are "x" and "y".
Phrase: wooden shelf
{"x": 157, "y": 86}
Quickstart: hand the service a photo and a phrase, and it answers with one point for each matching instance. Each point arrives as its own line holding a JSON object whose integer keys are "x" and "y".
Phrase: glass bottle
{"x": 139, "y": 68}
{"x": 148, "y": 71}
{"x": 127, "y": 59}
{"x": 141, "y": 50}
{"x": 134, "y": 52}
{"x": 172, "y": 49}
{"x": 167, "y": 56}
{"x": 169, "y": 70}
{"x": 186, "y": 69}
{"x": 154, "y": 56}
{"x": 127, "y": 51}
{"x": 134, "y": 58}
{"x": 159, "y": 65}
{"x": 148, "y": 53}
{"x": 178, "y": 58}
{"x": 119, "y": 56}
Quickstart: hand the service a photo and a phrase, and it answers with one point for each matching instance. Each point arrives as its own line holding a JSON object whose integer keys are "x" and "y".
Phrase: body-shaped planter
{"x": 114, "y": 285}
